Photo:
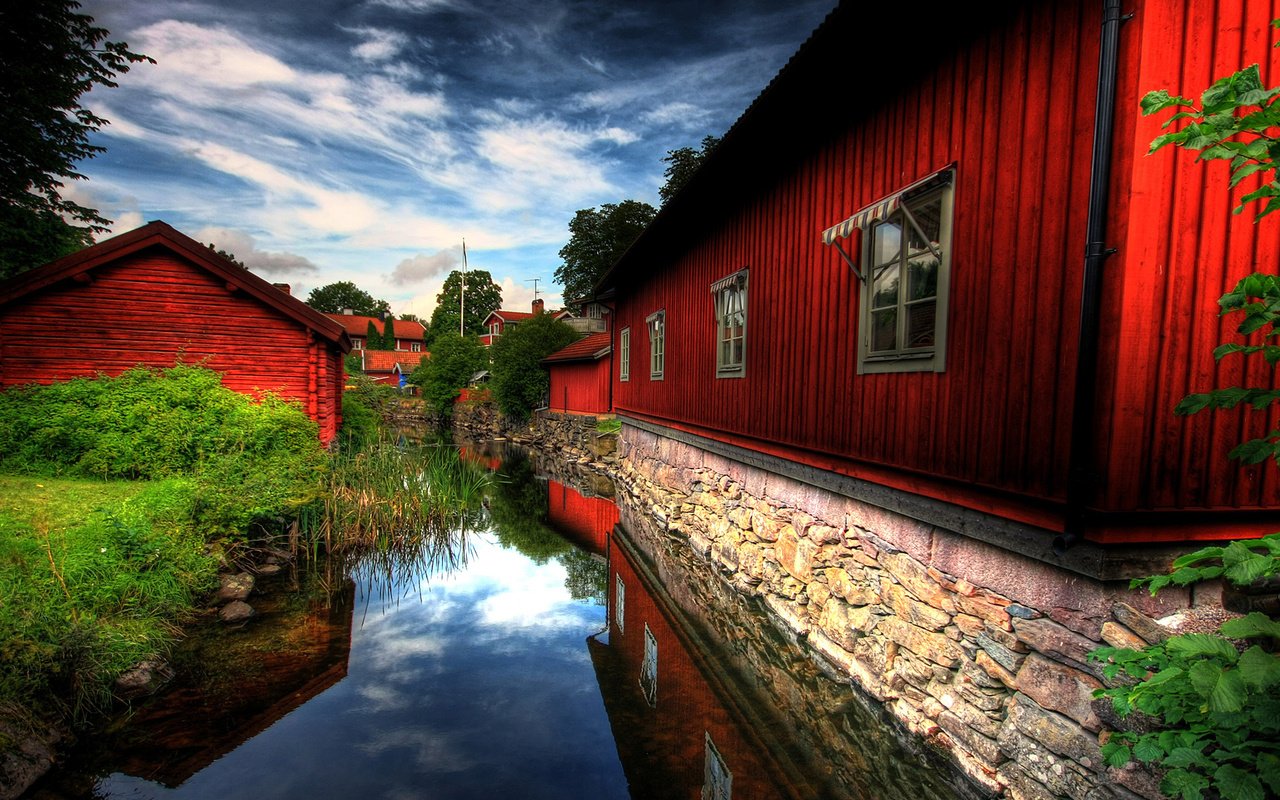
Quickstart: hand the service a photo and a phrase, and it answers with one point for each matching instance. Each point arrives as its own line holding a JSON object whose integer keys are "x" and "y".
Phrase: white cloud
{"x": 415, "y": 6}
{"x": 422, "y": 267}
{"x": 243, "y": 247}
{"x": 595, "y": 64}
{"x": 380, "y": 44}
{"x": 681, "y": 113}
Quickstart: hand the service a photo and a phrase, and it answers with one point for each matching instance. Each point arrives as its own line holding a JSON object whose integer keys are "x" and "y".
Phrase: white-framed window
{"x": 495, "y": 328}
{"x": 906, "y": 268}
{"x": 619, "y": 601}
{"x": 624, "y": 354}
{"x": 357, "y": 344}
{"x": 730, "y": 296}
{"x": 717, "y": 780}
{"x": 649, "y": 668}
{"x": 415, "y": 347}
{"x": 657, "y": 322}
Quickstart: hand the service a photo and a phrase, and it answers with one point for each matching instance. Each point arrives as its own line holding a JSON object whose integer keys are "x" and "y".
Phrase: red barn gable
{"x": 154, "y": 296}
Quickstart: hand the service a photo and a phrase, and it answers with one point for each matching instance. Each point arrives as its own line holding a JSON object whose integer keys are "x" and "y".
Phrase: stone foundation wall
{"x": 980, "y": 651}
{"x": 571, "y": 437}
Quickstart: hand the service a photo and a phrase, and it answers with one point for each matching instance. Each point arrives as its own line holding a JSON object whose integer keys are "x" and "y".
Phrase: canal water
{"x": 541, "y": 651}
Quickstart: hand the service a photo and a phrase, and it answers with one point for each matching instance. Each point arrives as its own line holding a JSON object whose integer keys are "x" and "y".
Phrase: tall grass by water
{"x": 93, "y": 577}
{"x": 388, "y": 496}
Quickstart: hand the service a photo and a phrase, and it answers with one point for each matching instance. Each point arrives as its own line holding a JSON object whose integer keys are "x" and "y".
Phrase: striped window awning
{"x": 885, "y": 206}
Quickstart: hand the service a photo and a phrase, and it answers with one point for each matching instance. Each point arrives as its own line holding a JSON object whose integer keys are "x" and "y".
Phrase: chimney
{"x": 348, "y": 312}
{"x": 284, "y": 287}
{"x": 537, "y": 305}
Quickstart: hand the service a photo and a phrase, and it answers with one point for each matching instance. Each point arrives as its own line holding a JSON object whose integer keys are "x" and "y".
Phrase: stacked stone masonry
{"x": 981, "y": 651}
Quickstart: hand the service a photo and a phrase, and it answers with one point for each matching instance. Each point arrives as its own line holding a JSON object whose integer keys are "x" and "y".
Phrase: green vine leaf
{"x": 1252, "y": 625}
{"x": 1194, "y": 645}
{"x": 1259, "y": 668}
{"x": 1236, "y": 784}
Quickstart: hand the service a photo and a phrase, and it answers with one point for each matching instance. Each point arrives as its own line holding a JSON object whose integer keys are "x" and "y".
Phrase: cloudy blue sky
{"x": 364, "y": 140}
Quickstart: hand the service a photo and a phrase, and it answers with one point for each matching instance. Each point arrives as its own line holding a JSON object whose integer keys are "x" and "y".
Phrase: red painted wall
{"x": 586, "y": 521}
{"x": 580, "y": 387}
{"x": 1013, "y": 110}
{"x": 154, "y": 308}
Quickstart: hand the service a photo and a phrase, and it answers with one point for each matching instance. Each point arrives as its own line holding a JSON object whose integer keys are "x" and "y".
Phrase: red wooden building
{"x": 391, "y": 367}
{"x": 580, "y": 376}
{"x": 154, "y": 296}
{"x": 585, "y": 521}
{"x": 408, "y": 333}
{"x": 919, "y": 280}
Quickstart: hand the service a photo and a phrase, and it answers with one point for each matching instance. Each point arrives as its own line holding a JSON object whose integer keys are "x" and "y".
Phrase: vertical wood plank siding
{"x": 580, "y": 387}
{"x": 1014, "y": 111}
{"x": 158, "y": 310}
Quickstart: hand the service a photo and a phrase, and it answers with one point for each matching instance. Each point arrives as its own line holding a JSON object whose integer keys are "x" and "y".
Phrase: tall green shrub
{"x": 454, "y": 359}
{"x": 520, "y": 382}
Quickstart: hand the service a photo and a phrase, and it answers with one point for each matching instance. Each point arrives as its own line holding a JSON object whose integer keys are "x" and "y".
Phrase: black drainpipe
{"x": 1082, "y": 477}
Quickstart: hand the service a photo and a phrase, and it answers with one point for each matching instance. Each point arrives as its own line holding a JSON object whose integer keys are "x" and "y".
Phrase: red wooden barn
{"x": 154, "y": 296}
{"x": 919, "y": 280}
{"x": 580, "y": 376}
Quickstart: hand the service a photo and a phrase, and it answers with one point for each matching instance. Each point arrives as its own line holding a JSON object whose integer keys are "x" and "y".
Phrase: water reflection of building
{"x": 682, "y": 727}
{"x": 585, "y": 521}
{"x": 295, "y": 655}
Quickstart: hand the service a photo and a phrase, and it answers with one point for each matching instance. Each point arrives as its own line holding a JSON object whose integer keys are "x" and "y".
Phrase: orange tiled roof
{"x": 388, "y": 360}
{"x": 357, "y": 325}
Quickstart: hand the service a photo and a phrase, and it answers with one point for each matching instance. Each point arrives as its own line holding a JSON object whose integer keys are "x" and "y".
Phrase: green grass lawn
{"x": 93, "y": 576}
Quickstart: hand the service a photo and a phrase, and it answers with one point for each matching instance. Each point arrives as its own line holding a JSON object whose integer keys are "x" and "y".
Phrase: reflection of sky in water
{"x": 483, "y": 688}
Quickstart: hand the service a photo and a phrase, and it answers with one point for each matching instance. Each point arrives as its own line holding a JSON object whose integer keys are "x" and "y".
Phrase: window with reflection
{"x": 649, "y": 668}
{"x": 906, "y": 263}
{"x": 624, "y": 354}
{"x": 730, "y": 295}
{"x": 657, "y": 322}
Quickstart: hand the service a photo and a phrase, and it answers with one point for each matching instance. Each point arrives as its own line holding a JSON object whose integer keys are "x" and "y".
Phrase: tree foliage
{"x": 520, "y": 382}
{"x": 50, "y": 55}
{"x": 335, "y": 297}
{"x": 373, "y": 338}
{"x": 681, "y": 164}
{"x": 597, "y": 239}
{"x": 454, "y": 359}
{"x": 483, "y": 297}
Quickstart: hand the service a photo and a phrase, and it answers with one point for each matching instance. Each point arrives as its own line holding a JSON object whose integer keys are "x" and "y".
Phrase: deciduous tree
{"x": 454, "y": 359}
{"x": 681, "y": 164}
{"x": 334, "y": 297}
{"x": 598, "y": 238}
{"x": 50, "y": 55}
{"x": 483, "y": 297}
{"x": 520, "y": 382}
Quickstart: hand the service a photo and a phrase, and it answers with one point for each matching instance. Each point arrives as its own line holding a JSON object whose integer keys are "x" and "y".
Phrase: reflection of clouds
{"x": 381, "y": 697}
{"x": 430, "y": 750}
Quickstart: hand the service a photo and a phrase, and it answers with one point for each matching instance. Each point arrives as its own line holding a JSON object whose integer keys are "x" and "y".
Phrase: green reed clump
{"x": 93, "y": 577}
{"x": 387, "y": 497}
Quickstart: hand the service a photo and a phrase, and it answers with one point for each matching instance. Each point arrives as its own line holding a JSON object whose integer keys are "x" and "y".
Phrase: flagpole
{"x": 462, "y": 297}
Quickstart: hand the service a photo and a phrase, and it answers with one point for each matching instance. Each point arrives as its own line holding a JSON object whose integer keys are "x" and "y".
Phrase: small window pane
{"x": 922, "y": 277}
{"x": 884, "y": 330}
{"x": 885, "y": 288}
{"x": 921, "y": 324}
{"x": 888, "y": 241}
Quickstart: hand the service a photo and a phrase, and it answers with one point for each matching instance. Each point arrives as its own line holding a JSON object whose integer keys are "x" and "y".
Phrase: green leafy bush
{"x": 248, "y": 459}
{"x": 520, "y": 382}
{"x": 1216, "y": 695}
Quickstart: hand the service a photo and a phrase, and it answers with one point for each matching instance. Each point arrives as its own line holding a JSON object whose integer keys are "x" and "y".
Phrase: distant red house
{"x": 408, "y": 332}
{"x": 580, "y": 376}
{"x": 500, "y": 321}
{"x": 932, "y": 294}
{"x": 391, "y": 367}
{"x": 154, "y": 296}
